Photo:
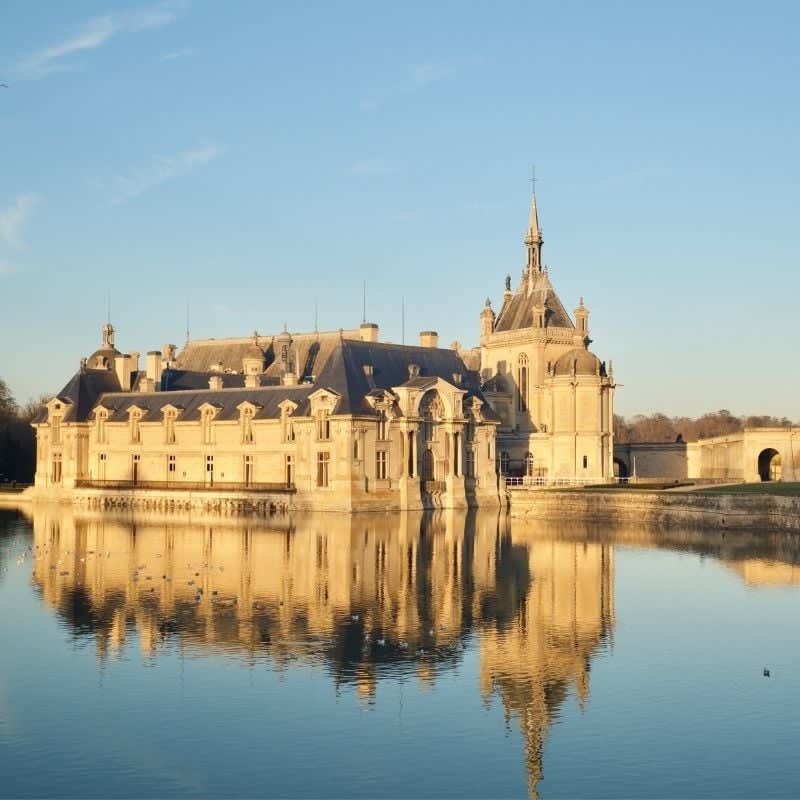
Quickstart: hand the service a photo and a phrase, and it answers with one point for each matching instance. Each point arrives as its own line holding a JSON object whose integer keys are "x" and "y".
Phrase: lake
{"x": 439, "y": 655}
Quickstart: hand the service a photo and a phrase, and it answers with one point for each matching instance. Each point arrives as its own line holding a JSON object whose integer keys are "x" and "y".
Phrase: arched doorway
{"x": 769, "y": 465}
{"x": 620, "y": 468}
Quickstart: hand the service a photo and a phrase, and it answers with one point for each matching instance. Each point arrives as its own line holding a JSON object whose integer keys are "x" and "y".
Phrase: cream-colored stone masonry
{"x": 340, "y": 421}
{"x": 554, "y": 397}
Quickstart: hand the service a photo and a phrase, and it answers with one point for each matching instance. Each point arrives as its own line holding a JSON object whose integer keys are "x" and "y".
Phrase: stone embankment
{"x": 687, "y": 510}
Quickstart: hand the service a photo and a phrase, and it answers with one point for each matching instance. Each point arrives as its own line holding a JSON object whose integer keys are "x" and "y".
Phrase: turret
{"x": 487, "y": 319}
{"x": 582, "y": 325}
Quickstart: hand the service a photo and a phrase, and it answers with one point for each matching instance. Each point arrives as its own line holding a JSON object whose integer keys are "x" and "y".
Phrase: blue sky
{"x": 248, "y": 158}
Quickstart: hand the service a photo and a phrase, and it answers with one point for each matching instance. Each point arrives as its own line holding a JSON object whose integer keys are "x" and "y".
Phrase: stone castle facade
{"x": 339, "y": 421}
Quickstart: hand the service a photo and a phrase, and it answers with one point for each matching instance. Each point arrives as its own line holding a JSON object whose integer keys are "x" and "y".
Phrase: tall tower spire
{"x": 533, "y": 236}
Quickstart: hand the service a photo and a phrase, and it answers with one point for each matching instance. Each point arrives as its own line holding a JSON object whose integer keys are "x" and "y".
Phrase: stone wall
{"x": 674, "y": 509}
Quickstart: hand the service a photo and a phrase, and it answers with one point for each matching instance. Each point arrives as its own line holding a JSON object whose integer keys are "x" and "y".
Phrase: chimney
{"x": 122, "y": 366}
{"x": 428, "y": 339}
{"x": 154, "y": 367}
{"x": 369, "y": 332}
{"x": 215, "y": 383}
{"x": 134, "y": 361}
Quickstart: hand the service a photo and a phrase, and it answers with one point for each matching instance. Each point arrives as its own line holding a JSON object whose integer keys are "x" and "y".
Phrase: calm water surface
{"x": 396, "y": 656}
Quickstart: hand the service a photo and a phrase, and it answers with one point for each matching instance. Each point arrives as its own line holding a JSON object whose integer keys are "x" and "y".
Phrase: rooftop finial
{"x": 533, "y": 180}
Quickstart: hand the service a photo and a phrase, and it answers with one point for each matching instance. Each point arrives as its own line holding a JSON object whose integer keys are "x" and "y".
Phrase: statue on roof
{"x": 508, "y": 283}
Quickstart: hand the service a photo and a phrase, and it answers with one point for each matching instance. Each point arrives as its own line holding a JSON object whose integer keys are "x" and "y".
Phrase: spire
{"x": 533, "y": 239}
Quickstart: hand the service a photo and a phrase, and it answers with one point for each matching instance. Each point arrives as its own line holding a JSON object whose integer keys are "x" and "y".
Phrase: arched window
{"x": 431, "y": 411}
{"x": 522, "y": 382}
{"x": 529, "y": 464}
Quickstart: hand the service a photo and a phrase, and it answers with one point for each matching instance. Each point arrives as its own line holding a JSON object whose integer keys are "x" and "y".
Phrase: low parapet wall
{"x": 222, "y": 503}
{"x": 674, "y": 509}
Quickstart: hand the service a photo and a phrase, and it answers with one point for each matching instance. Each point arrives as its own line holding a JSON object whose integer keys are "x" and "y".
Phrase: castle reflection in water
{"x": 361, "y": 594}
{"x": 367, "y": 595}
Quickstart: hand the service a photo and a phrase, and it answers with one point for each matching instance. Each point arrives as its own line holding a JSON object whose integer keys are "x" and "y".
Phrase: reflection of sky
{"x": 673, "y": 704}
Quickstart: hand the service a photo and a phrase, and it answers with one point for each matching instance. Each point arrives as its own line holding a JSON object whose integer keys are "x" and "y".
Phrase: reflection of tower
{"x": 568, "y": 613}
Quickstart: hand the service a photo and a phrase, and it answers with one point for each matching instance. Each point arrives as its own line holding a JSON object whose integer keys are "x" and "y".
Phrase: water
{"x": 395, "y": 656}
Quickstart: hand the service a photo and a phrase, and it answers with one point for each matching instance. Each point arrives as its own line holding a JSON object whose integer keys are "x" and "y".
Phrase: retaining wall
{"x": 743, "y": 512}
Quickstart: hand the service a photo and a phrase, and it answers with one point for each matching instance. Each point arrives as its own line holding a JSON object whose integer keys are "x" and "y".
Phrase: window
{"x": 381, "y": 471}
{"x": 248, "y": 470}
{"x": 135, "y": 459}
{"x": 56, "y": 469}
{"x": 470, "y": 465}
{"x": 288, "y": 429}
{"x": 529, "y": 464}
{"x": 169, "y": 427}
{"x": 504, "y": 461}
{"x": 522, "y": 382}
{"x": 585, "y": 462}
{"x": 323, "y": 463}
{"x": 210, "y": 469}
{"x": 289, "y": 470}
{"x": 356, "y": 449}
{"x": 100, "y": 421}
{"x": 381, "y": 426}
{"x": 55, "y": 430}
{"x": 323, "y": 426}
{"x": 247, "y": 426}
{"x": 136, "y": 435}
{"x": 171, "y": 466}
{"x": 206, "y": 423}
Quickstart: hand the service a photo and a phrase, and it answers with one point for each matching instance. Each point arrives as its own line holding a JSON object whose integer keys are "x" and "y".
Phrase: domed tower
{"x": 104, "y": 357}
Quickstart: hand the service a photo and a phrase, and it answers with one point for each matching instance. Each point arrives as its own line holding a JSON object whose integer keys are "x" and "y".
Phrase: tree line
{"x": 659, "y": 427}
{"x": 17, "y": 437}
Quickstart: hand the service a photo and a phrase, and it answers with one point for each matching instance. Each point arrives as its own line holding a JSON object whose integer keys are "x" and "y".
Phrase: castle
{"x": 338, "y": 420}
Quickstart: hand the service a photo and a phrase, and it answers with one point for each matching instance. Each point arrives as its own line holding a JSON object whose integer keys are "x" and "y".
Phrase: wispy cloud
{"x": 183, "y": 53}
{"x": 160, "y": 169}
{"x": 14, "y": 218}
{"x": 418, "y": 76}
{"x": 96, "y": 32}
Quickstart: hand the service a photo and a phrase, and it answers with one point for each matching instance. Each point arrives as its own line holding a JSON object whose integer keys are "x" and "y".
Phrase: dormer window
{"x": 413, "y": 371}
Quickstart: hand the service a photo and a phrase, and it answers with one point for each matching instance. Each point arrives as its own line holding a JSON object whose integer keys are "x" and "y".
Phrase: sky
{"x": 252, "y": 160}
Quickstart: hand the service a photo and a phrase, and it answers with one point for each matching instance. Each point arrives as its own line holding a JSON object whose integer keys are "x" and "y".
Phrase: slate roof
{"x": 266, "y": 399}
{"x": 517, "y": 311}
{"x": 343, "y": 373}
{"x": 310, "y": 351}
{"x": 81, "y": 393}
